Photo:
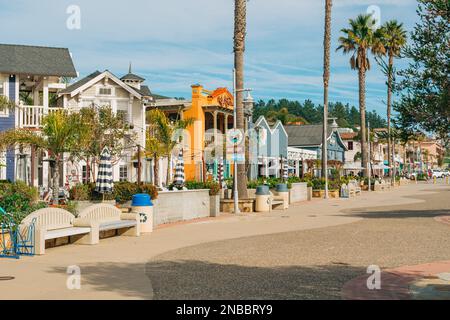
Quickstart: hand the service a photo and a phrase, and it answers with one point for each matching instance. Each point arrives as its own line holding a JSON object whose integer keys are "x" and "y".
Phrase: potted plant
{"x": 318, "y": 188}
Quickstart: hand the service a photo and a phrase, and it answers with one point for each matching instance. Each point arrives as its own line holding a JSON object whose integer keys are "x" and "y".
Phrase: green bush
{"x": 271, "y": 182}
{"x": 19, "y": 199}
{"x": 80, "y": 192}
{"x": 213, "y": 186}
{"x": 122, "y": 192}
{"x": 319, "y": 184}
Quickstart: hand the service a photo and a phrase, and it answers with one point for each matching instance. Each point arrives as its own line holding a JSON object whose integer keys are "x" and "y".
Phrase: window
{"x": 123, "y": 173}
{"x": 1, "y": 88}
{"x": 350, "y": 145}
{"x": 105, "y": 91}
{"x": 122, "y": 114}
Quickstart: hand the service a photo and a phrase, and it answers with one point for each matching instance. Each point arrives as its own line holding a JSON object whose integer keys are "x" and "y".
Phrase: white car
{"x": 438, "y": 174}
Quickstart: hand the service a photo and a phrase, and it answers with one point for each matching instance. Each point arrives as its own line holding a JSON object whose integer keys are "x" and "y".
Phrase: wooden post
{"x": 33, "y": 160}
{"x": 139, "y": 165}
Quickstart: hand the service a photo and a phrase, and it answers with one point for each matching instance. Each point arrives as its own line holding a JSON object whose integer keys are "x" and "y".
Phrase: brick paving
{"x": 396, "y": 283}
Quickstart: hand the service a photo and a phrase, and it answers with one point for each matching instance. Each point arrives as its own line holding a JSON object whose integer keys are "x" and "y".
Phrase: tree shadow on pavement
{"x": 434, "y": 204}
{"x": 126, "y": 279}
{"x": 193, "y": 279}
{"x": 398, "y": 214}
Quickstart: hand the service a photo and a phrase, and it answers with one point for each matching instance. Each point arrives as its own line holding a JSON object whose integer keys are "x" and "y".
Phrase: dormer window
{"x": 105, "y": 91}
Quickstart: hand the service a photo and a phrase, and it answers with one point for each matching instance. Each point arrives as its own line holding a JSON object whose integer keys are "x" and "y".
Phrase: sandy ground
{"x": 308, "y": 251}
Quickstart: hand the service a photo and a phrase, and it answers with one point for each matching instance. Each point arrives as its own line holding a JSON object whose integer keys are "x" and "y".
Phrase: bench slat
{"x": 111, "y": 225}
{"x": 58, "y": 233}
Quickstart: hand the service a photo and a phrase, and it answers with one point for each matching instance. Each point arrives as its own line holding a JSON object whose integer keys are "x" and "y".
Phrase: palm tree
{"x": 326, "y": 79}
{"x": 240, "y": 25}
{"x": 393, "y": 39}
{"x": 59, "y": 134}
{"x": 165, "y": 132}
{"x": 358, "y": 40}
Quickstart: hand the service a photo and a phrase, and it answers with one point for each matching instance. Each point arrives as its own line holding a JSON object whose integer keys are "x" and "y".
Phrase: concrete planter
{"x": 298, "y": 192}
{"x": 181, "y": 205}
{"x": 214, "y": 205}
{"x": 309, "y": 194}
{"x": 318, "y": 193}
{"x": 333, "y": 193}
{"x": 245, "y": 205}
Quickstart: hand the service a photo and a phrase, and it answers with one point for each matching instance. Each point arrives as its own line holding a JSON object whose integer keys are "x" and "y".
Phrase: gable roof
{"x": 308, "y": 135}
{"x": 80, "y": 83}
{"x": 93, "y": 78}
{"x": 35, "y": 60}
{"x": 132, "y": 76}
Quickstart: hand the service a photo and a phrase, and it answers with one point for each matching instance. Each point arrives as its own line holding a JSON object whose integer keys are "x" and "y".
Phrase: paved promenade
{"x": 309, "y": 251}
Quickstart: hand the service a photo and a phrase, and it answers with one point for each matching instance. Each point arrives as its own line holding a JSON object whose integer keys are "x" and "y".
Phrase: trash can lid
{"x": 141, "y": 200}
{"x": 282, "y": 187}
{"x": 262, "y": 190}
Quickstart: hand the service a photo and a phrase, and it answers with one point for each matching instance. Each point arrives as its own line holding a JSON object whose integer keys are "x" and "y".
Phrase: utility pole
{"x": 369, "y": 169}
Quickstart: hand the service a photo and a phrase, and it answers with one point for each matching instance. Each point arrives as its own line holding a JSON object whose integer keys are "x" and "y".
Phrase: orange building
{"x": 210, "y": 110}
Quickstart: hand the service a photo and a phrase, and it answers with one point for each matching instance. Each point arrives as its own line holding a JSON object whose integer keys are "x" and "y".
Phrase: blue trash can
{"x": 141, "y": 204}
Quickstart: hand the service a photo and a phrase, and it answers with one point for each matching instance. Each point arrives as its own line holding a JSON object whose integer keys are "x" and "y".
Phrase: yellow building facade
{"x": 212, "y": 114}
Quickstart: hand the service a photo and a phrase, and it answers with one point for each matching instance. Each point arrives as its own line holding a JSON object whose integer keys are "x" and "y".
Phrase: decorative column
{"x": 45, "y": 95}
{"x": 215, "y": 126}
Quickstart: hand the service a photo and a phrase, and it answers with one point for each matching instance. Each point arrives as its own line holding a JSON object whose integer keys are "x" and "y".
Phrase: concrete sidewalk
{"x": 44, "y": 277}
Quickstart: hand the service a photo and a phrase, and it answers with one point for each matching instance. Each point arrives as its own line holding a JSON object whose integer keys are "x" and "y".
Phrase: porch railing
{"x": 31, "y": 116}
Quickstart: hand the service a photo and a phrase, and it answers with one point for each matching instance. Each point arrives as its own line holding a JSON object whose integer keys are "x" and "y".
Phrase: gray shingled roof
{"x": 80, "y": 82}
{"x": 34, "y": 60}
{"x": 305, "y": 135}
{"x": 132, "y": 76}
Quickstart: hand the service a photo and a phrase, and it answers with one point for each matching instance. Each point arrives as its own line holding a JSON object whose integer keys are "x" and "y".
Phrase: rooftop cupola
{"x": 132, "y": 80}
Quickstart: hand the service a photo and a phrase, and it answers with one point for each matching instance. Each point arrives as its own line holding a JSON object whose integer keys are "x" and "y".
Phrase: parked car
{"x": 438, "y": 173}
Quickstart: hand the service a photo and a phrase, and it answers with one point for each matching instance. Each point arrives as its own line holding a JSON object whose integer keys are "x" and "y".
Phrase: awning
{"x": 352, "y": 166}
{"x": 380, "y": 167}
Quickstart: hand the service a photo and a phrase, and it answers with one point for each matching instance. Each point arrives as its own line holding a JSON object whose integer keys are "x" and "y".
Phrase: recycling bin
{"x": 141, "y": 204}
{"x": 262, "y": 201}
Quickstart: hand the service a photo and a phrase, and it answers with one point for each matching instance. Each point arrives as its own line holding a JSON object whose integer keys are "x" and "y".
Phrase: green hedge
{"x": 122, "y": 192}
{"x": 213, "y": 186}
{"x": 19, "y": 199}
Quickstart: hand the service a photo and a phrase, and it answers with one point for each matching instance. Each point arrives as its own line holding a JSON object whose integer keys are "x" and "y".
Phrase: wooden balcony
{"x": 30, "y": 117}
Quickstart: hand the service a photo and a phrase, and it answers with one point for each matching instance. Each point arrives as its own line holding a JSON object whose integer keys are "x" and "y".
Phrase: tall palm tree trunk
{"x": 389, "y": 103}
{"x": 362, "y": 111}
{"x": 326, "y": 78}
{"x": 240, "y": 25}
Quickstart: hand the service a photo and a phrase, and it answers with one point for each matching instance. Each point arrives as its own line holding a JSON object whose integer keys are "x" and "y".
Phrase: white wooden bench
{"x": 53, "y": 223}
{"x": 108, "y": 217}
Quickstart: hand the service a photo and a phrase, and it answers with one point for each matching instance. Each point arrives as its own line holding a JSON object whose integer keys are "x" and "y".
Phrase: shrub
{"x": 213, "y": 186}
{"x": 19, "y": 199}
{"x": 271, "y": 182}
{"x": 122, "y": 192}
{"x": 80, "y": 192}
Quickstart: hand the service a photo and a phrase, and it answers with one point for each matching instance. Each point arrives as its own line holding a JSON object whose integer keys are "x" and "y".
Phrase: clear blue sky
{"x": 175, "y": 43}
